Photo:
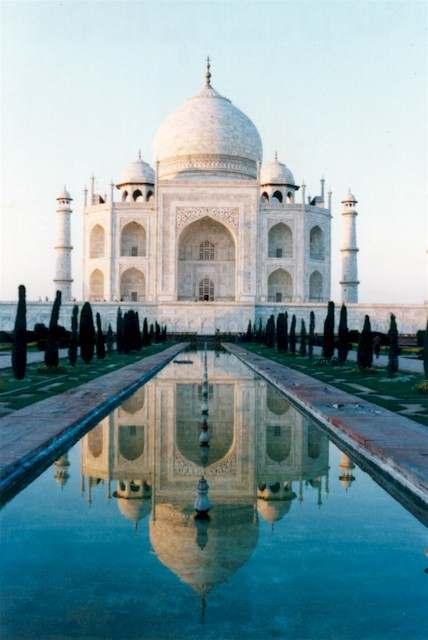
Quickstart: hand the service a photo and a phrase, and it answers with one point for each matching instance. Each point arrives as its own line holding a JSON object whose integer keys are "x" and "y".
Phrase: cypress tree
{"x": 19, "y": 348}
{"x": 303, "y": 337}
{"x": 311, "y": 341}
{"x": 74, "y": 340}
{"x": 249, "y": 334}
{"x": 87, "y": 333}
{"x": 328, "y": 337}
{"x": 293, "y": 338}
{"x": 259, "y": 334}
{"x": 164, "y": 333}
{"x": 51, "y": 353}
{"x": 146, "y": 340}
{"x": 426, "y": 352}
{"x": 127, "y": 331}
{"x": 393, "y": 349}
{"x": 109, "y": 339}
{"x": 119, "y": 331}
{"x": 270, "y": 332}
{"x": 138, "y": 336}
{"x": 365, "y": 346}
{"x": 151, "y": 333}
{"x": 280, "y": 332}
{"x": 343, "y": 343}
{"x": 157, "y": 332}
{"x": 101, "y": 349}
{"x": 286, "y": 333}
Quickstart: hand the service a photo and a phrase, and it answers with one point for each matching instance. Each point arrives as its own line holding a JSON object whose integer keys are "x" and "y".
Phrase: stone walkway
{"x": 395, "y": 444}
{"x": 31, "y": 436}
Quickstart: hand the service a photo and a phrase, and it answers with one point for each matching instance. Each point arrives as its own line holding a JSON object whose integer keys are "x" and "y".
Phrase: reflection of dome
{"x": 137, "y": 172}
{"x": 276, "y": 172}
{"x": 273, "y": 510}
{"x": 134, "y": 509}
{"x": 229, "y": 540}
{"x": 208, "y": 133}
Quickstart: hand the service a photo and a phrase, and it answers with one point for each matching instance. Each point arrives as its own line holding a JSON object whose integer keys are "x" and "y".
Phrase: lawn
{"x": 396, "y": 394}
{"x": 38, "y": 385}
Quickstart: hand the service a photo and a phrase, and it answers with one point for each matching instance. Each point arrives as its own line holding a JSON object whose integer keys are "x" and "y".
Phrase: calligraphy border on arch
{"x": 185, "y": 215}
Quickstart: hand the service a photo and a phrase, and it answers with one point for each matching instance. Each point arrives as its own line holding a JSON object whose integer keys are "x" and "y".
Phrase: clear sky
{"x": 338, "y": 88}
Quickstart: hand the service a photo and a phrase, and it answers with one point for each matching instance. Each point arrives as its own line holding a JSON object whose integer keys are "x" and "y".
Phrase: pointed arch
{"x": 315, "y": 286}
{"x": 278, "y": 442}
{"x": 206, "y": 250}
{"x": 137, "y": 195}
{"x": 132, "y": 285}
{"x": 95, "y": 440}
{"x": 97, "y": 242}
{"x": 133, "y": 240}
{"x": 280, "y": 241}
{"x": 278, "y": 195}
{"x": 280, "y": 286}
{"x": 316, "y": 243}
{"x": 131, "y": 441}
{"x": 96, "y": 286}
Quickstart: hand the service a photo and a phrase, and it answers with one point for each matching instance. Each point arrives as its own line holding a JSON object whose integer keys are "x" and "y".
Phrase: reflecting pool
{"x": 300, "y": 542}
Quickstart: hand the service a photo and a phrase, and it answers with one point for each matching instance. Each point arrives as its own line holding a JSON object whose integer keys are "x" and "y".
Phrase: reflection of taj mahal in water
{"x": 262, "y": 454}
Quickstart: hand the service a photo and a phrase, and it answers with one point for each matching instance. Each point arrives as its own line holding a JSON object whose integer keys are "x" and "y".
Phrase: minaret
{"x": 349, "y": 250}
{"x": 63, "y": 246}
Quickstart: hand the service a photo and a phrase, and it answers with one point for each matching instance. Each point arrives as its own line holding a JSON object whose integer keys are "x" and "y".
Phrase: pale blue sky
{"x": 339, "y": 88}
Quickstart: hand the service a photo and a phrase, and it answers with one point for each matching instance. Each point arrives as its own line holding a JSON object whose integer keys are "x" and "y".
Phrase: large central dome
{"x": 208, "y": 134}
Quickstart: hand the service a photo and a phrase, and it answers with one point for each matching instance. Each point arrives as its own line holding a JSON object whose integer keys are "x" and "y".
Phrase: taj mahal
{"x": 211, "y": 237}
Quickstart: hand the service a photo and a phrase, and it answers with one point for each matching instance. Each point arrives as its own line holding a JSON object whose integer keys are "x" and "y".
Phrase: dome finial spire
{"x": 276, "y": 156}
{"x": 208, "y": 72}
{"x": 139, "y": 154}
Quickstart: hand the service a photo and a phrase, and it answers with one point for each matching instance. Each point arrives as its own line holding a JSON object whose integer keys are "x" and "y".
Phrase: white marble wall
{"x": 205, "y": 318}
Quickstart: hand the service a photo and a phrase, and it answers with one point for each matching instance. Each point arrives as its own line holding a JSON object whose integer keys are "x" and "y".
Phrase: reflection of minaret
{"x": 61, "y": 470}
{"x": 346, "y": 466}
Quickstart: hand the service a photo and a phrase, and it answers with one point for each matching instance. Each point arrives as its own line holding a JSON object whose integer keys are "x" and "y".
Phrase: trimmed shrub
{"x": 157, "y": 332}
{"x": 328, "y": 335}
{"x": 425, "y": 354}
{"x": 311, "y": 340}
{"x": 249, "y": 333}
{"x": 280, "y": 332}
{"x": 19, "y": 348}
{"x": 303, "y": 338}
{"x": 100, "y": 344}
{"x": 293, "y": 338}
{"x": 87, "y": 333}
{"x": 270, "y": 332}
{"x": 51, "y": 353}
{"x": 365, "y": 346}
{"x": 343, "y": 342}
{"x": 74, "y": 340}
{"x": 151, "y": 333}
{"x": 109, "y": 339}
{"x": 146, "y": 338}
{"x": 119, "y": 331}
{"x": 393, "y": 349}
{"x": 286, "y": 332}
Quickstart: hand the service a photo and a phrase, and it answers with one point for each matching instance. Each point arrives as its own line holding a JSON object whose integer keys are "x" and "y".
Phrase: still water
{"x": 300, "y": 544}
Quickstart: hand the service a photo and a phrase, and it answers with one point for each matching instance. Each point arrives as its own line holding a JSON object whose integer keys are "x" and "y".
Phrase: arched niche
{"x": 221, "y": 421}
{"x": 206, "y": 249}
{"x": 276, "y": 402}
{"x": 315, "y": 286}
{"x": 96, "y": 286}
{"x": 134, "y": 403}
{"x": 132, "y": 285}
{"x": 316, "y": 243}
{"x": 97, "y": 242}
{"x": 277, "y": 195}
{"x": 133, "y": 240}
{"x": 137, "y": 195}
{"x": 131, "y": 441}
{"x": 280, "y": 241}
{"x": 95, "y": 441}
{"x": 314, "y": 442}
{"x": 278, "y": 442}
{"x": 280, "y": 286}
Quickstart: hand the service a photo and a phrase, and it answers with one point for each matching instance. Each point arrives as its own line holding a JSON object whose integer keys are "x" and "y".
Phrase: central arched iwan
{"x": 206, "y": 252}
